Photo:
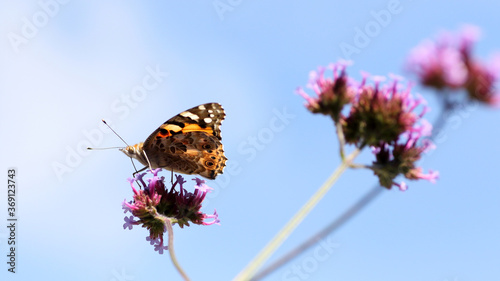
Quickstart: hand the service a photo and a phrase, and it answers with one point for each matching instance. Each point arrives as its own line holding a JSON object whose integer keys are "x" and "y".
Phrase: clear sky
{"x": 65, "y": 65}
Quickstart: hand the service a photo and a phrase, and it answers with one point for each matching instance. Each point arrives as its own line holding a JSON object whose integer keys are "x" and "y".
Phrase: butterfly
{"x": 188, "y": 143}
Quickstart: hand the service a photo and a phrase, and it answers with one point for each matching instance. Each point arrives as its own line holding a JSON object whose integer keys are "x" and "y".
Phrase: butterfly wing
{"x": 190, "y": 142}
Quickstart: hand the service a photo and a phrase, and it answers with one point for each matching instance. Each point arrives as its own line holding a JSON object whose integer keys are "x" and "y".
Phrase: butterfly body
{"x": 188, "y": 143}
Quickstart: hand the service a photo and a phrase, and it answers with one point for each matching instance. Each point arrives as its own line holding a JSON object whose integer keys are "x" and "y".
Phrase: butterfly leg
{"x": 147, "y": 159}
{"x": 172, "y": 176}
{"x": 131, "y": 160}
{"x": 136, "y": 172}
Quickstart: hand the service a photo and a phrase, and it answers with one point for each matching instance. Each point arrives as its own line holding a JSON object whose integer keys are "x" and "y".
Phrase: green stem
{"x": 270, "y": 248}
{"x": 359, "y": 166}
{"x": 171, "y": 251}
{"x": 341, "y": 137}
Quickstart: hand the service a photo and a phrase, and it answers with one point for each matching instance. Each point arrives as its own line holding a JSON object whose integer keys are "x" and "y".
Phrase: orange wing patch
{"x": 168, "y": 130}
{"x": 197, "y": 128}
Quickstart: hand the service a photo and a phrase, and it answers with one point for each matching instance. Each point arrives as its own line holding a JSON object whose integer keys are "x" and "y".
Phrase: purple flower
{"x": 155, "y": 204}
{"x": 150, "y": 240}
{"x": 481, "y": 81}
{"x": 332, "y": 93}
{"x": 402, "y": 186}
{"x": 215, "y": 218}
{"x": 160, "y": 247}
{"x": 129, "y": 222}
{"x": 438, "y": 64}
{"x": 125, "y": 207}
{"x": 448, "y": 63}
{"x": 400, "y": 158}
{"x": 200, "y": 184}
{"x": 381, "y": 113}
{"x": 467, "y": 37}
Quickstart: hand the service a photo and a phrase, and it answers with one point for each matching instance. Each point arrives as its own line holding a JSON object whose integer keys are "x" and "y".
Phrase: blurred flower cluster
{"x": 155, "y": 204}
{"x": 447, "y": 63}
{"x": 383, "y": 116}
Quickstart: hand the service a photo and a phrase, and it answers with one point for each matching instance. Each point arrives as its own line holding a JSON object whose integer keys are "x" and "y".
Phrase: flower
{"x": 381, "y": 113}
{"x": 400, "y": 158}
{"x": 438, "y": 64}
{"x": 155, "y": 204}
{"x": 480, "y": 84}
{"x": 448, "y": 63}
{"x": 332, "y": 94}
{"x": 383, "y": 116}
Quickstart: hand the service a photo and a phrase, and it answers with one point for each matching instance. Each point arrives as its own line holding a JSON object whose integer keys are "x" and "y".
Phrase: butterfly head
{"x": 135, "y": 151}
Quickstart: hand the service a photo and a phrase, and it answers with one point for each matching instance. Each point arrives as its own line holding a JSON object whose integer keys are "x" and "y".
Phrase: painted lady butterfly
{"x": 188, "y": 143}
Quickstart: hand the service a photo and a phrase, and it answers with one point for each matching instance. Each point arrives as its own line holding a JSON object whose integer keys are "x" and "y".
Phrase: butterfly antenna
{"x": 104, "y": 148}
{"x": 131, "y": 160}
{"x": 114, "y": 132}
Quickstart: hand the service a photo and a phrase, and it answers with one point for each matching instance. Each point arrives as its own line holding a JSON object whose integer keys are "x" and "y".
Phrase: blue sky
{"x": 66, "y": 65}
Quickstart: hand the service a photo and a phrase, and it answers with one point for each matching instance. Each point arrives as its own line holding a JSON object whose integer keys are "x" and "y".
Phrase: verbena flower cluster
{"x": 383, "y": 116}
{"x": 155, "y": 204}
{"x": 447, "y": 63}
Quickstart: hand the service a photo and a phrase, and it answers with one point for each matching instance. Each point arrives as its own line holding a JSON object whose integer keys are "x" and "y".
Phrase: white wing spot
{"x": 208, "y": 120}
{"x": 212, "y": 116}
{"x": 174, "y": 128}
{"x": 188, "y": 114}
{"x": 210, "y": 111}
{"x": 201, "y": 107}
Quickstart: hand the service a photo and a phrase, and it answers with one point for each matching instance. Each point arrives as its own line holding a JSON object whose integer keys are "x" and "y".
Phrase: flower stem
{"x": 171, "y": 251}
{"x": 359, "y": 166}
{"x": 272, "y": 246}
{"x": 447, "y": 109}
{"x": 340, "y": 135}
{"x": 313, "y": 240}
